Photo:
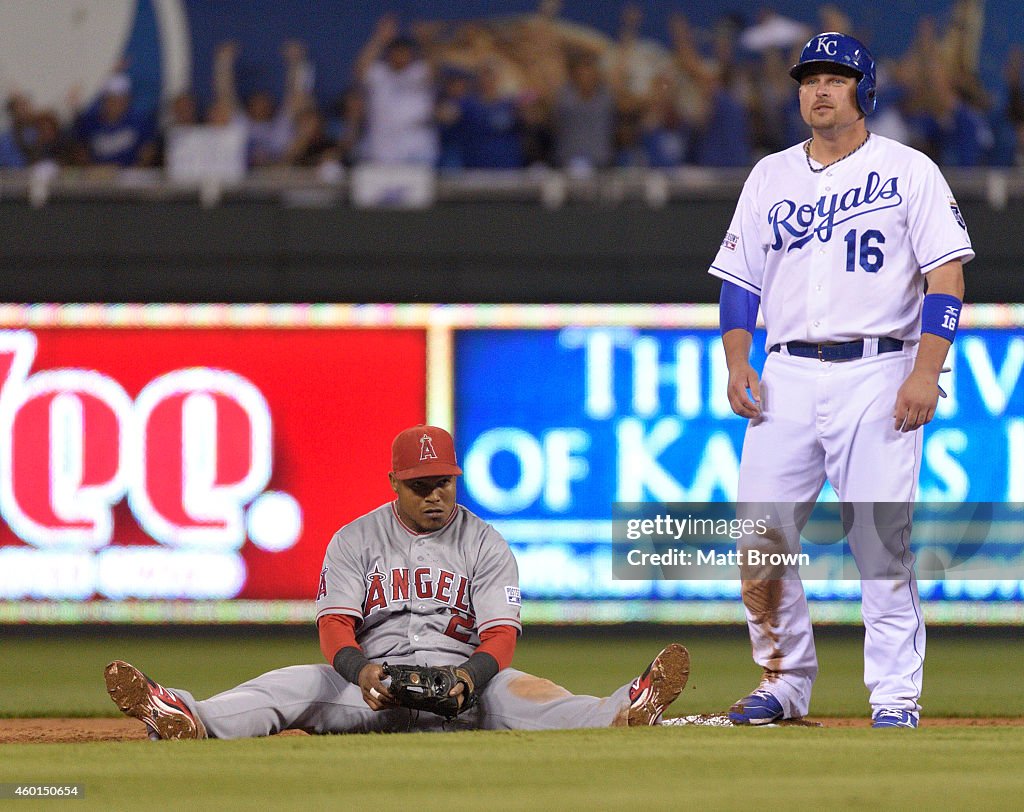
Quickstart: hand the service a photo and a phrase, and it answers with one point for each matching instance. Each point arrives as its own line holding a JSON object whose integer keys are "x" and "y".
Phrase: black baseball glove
{"x": 426, "y": 688}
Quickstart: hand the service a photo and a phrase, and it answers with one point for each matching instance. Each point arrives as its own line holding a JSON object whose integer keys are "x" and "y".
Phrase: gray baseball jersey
{"x": 419, "y": 592}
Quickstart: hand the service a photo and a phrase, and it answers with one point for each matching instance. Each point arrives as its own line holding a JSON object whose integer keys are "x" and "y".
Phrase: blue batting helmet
{"x": 833, "y": 48}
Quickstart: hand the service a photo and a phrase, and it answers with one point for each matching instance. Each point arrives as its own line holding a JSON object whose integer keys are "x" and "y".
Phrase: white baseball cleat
{"x": 163, "y": 712}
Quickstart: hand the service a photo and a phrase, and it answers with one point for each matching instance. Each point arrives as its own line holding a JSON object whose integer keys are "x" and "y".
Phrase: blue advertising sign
{"x": 556, "y": 425}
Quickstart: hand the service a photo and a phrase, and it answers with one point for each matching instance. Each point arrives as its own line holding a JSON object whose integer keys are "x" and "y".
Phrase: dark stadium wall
{"x": 102, "y": 251}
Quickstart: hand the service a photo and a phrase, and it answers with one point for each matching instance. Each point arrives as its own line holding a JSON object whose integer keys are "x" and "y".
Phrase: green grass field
{"x": 973, "y": 673}
{"x": 628, "y": 769}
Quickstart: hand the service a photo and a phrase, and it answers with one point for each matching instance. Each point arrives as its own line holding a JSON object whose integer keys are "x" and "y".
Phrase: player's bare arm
{"x": 742, "y": 376}
{"x": 919, "y": 395}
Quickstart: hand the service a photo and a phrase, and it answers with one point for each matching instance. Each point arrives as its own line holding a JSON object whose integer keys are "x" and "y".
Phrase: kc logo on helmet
{"x": 190, "y": 453}
{"x": 828, "y": 45}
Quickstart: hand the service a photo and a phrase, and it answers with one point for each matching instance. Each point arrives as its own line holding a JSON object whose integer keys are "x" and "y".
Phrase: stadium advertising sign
{"x": 203, "y": 464}
{"x": 587, "y": 417}
{"x": 192, "y": 462}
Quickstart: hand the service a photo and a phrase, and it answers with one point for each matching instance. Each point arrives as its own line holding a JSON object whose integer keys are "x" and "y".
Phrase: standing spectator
{"x": 1014, "y": 73}
{"x": 456, "y": 83}
{"x": 538, "y": 138}
{"x": 662, "y": 131}
{"x": 348, "y": 124}
{"x": 493, "y": 132}
{"x": 723, "y": 138}
{"x": 928, "y": 94}
{"x": 399, "y": 91}
{"x": 584, "y": 117}
{"x": 270, "y": 127}
{"x": 633, "y": 62}
{"x": 686, "y": 73}
{"x": 113, "y": 132}
{"x": 961, "y": 43}
{"x": 16, "y": 142}
{"x": 773, "y": 109}
{"x": 311, "y": 146}
{"x": 965, "y": 134}
{"x": 53, "y": 145}
{"x": 223, "y": 114}
{"x": 629, "y": 148}
{"x": 657, "y": 138}
{"x": 945, "y": 102}
{"x": 889, "y": 118}
{"x": 209, "y": 153}
{"x": 181, "y": 111}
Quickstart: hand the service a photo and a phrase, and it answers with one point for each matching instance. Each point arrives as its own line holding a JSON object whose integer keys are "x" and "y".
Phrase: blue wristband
{"x": 737, "y": 308}
{"x": 940, "y": 315}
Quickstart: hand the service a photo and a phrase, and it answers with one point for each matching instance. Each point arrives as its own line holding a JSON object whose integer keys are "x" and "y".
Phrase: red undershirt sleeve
{"x": 499, "y": 642}
{"x": 337, "y": 632}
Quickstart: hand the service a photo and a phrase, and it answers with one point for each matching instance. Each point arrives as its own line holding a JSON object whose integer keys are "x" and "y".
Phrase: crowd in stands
{"x": 522, "y": 91}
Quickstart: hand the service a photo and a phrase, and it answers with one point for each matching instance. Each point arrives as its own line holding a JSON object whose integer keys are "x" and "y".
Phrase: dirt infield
{"x": 50, "y": 731}
{"x": 62, "y": 731}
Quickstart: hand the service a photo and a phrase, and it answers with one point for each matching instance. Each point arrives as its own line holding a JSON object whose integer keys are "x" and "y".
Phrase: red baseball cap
{"x": 423, "y": 451}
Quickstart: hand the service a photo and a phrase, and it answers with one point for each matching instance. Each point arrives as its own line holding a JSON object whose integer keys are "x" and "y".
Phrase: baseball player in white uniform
{"x": 852, "y": 245}
{"x": 418, "y": 580}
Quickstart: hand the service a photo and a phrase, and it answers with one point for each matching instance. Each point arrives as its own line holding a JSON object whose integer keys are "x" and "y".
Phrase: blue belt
{"x": 847, "y": 351}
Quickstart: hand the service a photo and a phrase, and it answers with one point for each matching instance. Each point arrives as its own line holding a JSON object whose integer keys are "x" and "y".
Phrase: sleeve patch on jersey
{"x": 956, "y": 212}
{"x": 321, "y": 591}
{"x": 730, "y": 242}
{"x": 512, "y": 596}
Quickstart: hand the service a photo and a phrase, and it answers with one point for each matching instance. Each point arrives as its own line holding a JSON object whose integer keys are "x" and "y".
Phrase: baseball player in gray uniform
{"x": 852, "y": 245}
{"x": 419, "y": 580}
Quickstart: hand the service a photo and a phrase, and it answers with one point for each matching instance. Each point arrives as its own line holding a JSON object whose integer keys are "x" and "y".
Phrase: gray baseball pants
{"x": 318, "y": 700}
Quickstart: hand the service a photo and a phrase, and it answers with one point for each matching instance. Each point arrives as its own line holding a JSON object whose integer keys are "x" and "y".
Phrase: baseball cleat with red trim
{"x": 659, "y": 686}
{"x": 163, "y": 712}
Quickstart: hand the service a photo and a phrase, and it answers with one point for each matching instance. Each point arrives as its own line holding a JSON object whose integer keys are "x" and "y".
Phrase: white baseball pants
{"x": 834, "y": 420}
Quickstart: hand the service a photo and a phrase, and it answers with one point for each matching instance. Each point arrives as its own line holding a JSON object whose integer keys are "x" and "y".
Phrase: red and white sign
{"x": 193, "y": 463}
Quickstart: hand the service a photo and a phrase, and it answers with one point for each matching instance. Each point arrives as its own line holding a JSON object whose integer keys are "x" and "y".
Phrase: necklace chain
{"x": 807, "y": 152}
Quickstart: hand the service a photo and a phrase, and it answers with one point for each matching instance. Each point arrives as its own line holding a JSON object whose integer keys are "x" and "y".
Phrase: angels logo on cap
{"x": 427, "y": 448}
{"x": 423, "y": 451}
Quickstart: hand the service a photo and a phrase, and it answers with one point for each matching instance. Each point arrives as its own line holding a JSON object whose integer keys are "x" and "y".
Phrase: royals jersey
{"x": 417, "y": 592}
{"x": 840, "y": 254}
